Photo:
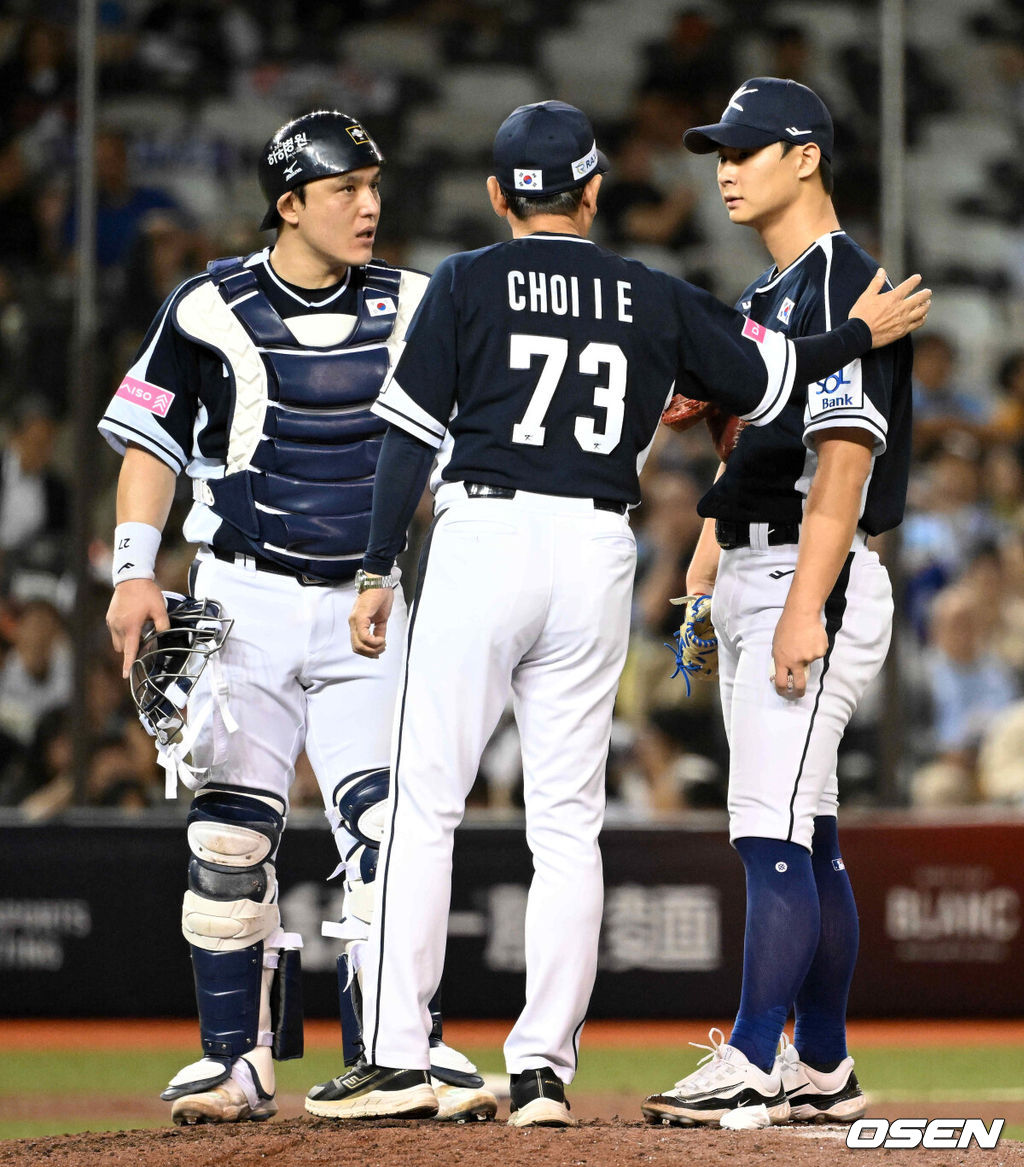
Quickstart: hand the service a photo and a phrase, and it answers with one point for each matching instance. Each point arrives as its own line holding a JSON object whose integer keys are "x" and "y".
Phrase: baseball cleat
{"x": 463, "y": 1103}
{"x": 538, "y": 1099}
{"x": 368, "y": 1091}
{"x": 460, "y": 1090}
{"x": 817, "y": 1096}
{"x": 726, "y": 1082}
{"x": 207, "y": 1092}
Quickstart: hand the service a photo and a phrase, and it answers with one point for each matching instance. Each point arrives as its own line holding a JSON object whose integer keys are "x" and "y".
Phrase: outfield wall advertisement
{"x": 88, "y": 920}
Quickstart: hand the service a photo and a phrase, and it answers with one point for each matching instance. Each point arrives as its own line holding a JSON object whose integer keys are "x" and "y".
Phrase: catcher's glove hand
{"x": 696, "y": 646}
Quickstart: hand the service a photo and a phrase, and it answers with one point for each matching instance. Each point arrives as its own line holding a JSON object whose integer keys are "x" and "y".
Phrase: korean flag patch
{"x": 785, "y": 311}
{"x": 528, "y": 179}
{"x": 381, "y": 306}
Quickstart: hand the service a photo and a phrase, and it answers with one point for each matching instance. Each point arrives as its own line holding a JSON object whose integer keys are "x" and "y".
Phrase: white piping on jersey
{"x": 400, "y": 409}
{"x": 263, "y": 257}
{"x": 444, "y": 455}
{"x": 826, "y": 248}
{"x": 552, "y": 238}
{"x": 777, "y": 353}
{"x": 203, "y": 316}
{"x": 819, "y": 242}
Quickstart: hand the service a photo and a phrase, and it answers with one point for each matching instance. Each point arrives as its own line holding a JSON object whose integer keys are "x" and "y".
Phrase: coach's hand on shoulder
{"x": 891, "y": 315}
{"x": 133, "y": 604}
{"x": 368, "y": 621}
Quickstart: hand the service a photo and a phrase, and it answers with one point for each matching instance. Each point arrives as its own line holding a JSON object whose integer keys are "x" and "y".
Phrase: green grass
{"x": 970, "y": 1073}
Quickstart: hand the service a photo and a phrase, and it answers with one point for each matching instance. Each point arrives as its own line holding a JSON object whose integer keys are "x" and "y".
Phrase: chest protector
{"x": 302, "y": 442}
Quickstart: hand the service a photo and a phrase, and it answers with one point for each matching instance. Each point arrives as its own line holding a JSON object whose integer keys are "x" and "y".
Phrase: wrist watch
{"x": 365, "y": 581}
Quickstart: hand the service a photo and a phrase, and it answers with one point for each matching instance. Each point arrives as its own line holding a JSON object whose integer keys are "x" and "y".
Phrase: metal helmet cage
{"x": 170, "y": 662}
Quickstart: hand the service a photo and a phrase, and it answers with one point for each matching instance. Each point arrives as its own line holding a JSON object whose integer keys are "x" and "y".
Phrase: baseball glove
{"x": 682, "y": 413}
{"x": 696, "y": 646}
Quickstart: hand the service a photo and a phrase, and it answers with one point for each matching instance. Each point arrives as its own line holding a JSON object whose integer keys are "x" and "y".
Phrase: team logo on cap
{"x": 292, "y": 171}
{"x": 583, "y": 166}
{"x": 528, "y": 179}
{"x": 358, "y": 134}
{"x": 383, "y": 306}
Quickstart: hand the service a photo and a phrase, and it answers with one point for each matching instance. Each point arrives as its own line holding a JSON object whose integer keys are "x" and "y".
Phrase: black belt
{"x": 732, "y": 535}
{"x": 245, "y": 559}
{"x": 482, "y": 490}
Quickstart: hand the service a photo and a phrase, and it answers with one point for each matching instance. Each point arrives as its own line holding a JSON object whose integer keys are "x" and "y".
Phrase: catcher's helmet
{"x": 170, "y": 662}
{"x": 313, "y": 146}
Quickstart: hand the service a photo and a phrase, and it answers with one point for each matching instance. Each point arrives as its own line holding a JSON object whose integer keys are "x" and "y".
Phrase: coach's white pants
{"x": 529, "y": 596}
{"x": 782, "y": 752}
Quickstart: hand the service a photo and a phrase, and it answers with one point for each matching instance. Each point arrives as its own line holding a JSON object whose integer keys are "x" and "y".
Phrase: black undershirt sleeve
{"x": 402, "y": 470}
{"x": 819, "y": 356}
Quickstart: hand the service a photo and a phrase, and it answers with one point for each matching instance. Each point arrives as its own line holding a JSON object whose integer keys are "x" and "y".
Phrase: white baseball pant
{"x": 528, "y": 596}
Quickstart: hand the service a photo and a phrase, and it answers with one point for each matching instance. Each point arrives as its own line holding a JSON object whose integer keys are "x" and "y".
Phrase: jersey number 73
{"x": 610, "y": 397}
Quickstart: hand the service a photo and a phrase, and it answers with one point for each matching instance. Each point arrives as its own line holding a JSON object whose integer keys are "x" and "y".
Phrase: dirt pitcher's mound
{"x": 302, "y": 1142}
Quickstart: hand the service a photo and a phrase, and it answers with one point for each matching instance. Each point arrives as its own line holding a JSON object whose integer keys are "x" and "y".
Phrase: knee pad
{"x": 360, "y": 802}
{"x": 231, "y": 902}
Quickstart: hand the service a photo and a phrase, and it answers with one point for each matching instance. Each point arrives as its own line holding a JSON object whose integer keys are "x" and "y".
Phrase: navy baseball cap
{"x": 765, "y": 110}
{"x": 545, "y": 148}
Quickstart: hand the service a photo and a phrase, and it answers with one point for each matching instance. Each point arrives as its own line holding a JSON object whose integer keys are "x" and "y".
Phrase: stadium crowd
{"x": 187, "y": 93}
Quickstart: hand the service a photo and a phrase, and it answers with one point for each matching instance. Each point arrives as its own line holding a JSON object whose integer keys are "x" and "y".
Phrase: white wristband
{"x": 135, "y": 548}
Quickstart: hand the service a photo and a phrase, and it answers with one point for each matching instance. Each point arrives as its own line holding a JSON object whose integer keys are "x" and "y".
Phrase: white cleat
{"x": 239, "y": 1098}
{"x": 724, "y": 1080}
{"x": 461, "y": 1093}
{"x": 817, "y": 1096}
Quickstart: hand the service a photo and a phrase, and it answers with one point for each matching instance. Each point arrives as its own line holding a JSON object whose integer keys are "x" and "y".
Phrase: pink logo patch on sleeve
{"x": 754, "y": 331}
{"x": 150, "y": 397}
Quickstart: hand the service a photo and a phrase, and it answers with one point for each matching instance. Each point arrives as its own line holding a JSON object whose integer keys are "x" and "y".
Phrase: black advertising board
{"x": 89, "y": 920}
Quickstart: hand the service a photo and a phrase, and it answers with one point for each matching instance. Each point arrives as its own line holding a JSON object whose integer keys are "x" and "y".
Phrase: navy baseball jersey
{"x": 591, "y": 345}
{"x": 770, "y": 471}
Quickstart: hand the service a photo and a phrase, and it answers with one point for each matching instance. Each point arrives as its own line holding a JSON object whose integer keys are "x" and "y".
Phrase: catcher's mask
{"x": 170, "y": 662}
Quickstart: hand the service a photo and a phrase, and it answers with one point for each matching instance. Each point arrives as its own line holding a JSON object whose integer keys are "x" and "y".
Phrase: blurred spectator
{"x": 35, "y": 676}
{"x": 37, "y": 83}
{"x": 941, "y": 406}
{"x": 34, "y": 499}
{"x": 635, "y": 209}
{"x": 1007, "y": 421}
{"x": 947, "y": 524}
{"x": 677, "y": 741}
{"x": 21, "y": 237}
{"x": 121, "y": 207}
{"x": 183, "y": 46}
{"x": 1001, "y": 758}
{"x": 696, "y": 59}
{"x": 970, "y": 683}
{"x": 47, "y": 759}
{"x": 165, "y": 251}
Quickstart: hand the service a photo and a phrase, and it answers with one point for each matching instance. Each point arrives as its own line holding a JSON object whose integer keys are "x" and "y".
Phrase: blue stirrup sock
{"x": 820, "y": 1033}
{"x": 778, "y": 945}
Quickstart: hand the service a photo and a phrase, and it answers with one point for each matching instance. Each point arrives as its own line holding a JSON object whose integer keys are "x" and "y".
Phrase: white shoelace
{"x": 707, "y": 1075}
